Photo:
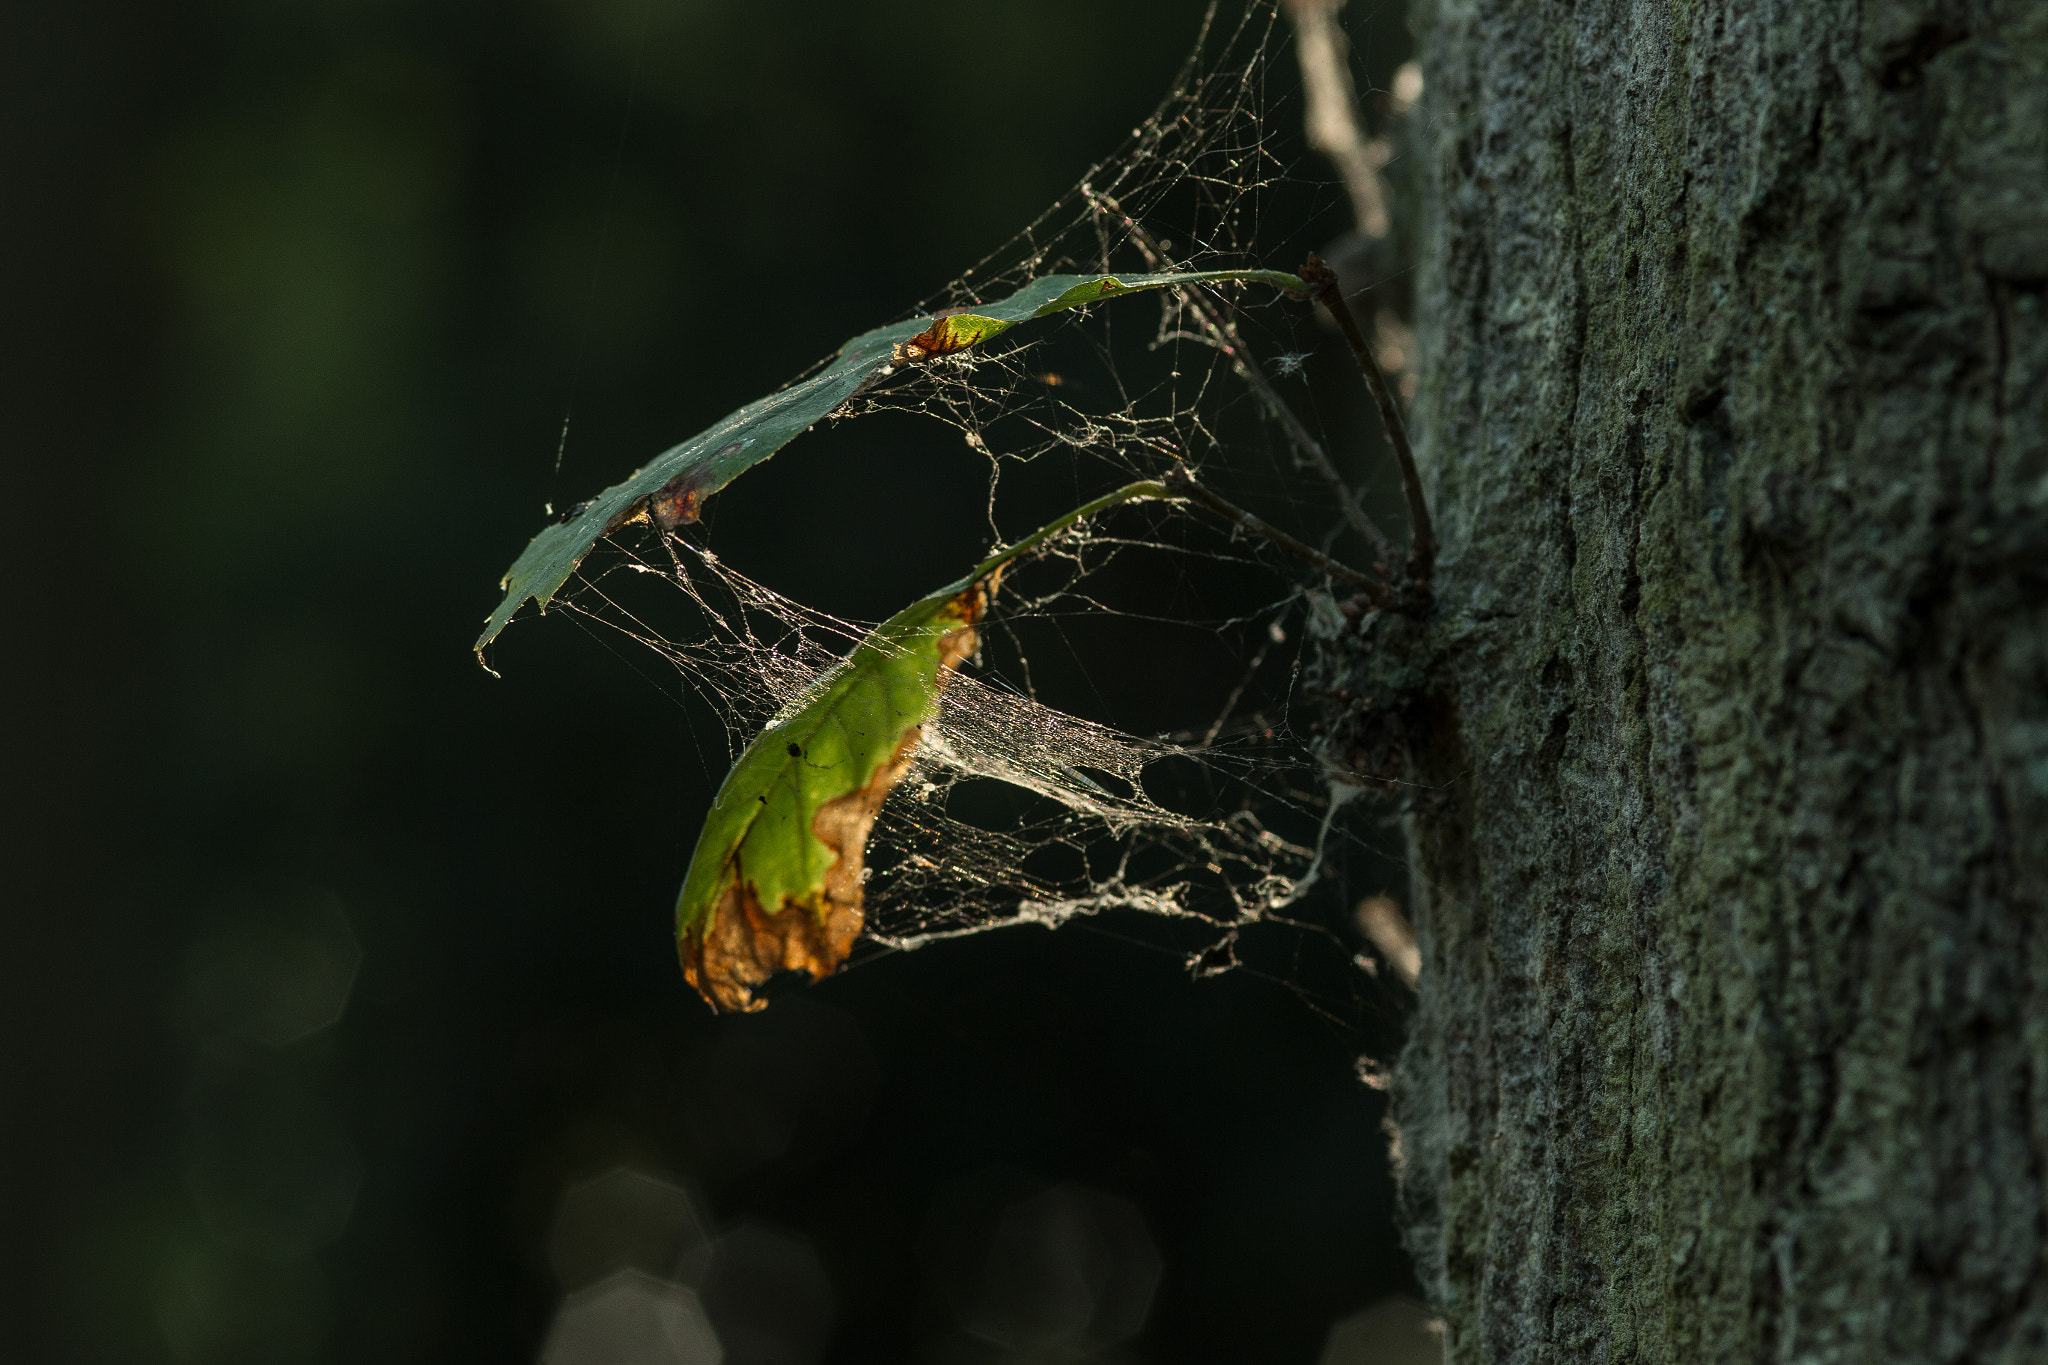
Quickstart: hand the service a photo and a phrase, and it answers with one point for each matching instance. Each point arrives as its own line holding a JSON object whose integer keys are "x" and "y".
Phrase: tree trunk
{"x": 1732, "y": 1041}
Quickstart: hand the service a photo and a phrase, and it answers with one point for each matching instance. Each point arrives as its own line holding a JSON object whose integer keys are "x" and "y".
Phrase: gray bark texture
{"x": 1732, "y": 1037}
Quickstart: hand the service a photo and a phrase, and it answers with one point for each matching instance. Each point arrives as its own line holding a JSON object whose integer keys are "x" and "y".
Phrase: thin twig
{"x": 1421, "y": 535}
{"x": 1230, "y": 702}
{"x": 1183, "y": 483}
{"x": 1222, "y": 332}
{"x": 1332, "y": 113}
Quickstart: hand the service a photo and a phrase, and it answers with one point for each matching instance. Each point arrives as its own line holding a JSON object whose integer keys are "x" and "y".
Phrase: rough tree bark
{"x": 1732, "y": 1042}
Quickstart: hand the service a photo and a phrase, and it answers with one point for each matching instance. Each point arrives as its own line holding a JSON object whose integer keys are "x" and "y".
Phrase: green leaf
{"x": 671, "y": 489}
{"x": 775, "y": 883}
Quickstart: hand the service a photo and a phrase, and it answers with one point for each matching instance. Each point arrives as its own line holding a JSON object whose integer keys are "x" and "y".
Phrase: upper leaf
{"x": 671, "y": 489}
{"x": 775, "y": 883}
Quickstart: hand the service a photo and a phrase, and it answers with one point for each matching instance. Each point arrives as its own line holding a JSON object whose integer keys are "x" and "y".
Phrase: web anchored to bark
{"x": 903, "y": 783}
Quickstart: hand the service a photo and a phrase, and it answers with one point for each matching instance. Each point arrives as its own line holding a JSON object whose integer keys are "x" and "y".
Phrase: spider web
{"x": 1016, "y": 812}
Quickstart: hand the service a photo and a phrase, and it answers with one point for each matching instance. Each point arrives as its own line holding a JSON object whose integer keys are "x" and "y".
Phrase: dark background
{"x": 331, "y": 962}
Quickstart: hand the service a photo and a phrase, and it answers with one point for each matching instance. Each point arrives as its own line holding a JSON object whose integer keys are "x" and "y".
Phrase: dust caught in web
{"x": 1015, "y": 812}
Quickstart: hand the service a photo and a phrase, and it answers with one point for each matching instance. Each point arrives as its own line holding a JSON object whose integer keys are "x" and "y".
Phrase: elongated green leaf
{"x": 671, "y": 489}
{"x": 775, "y": 883}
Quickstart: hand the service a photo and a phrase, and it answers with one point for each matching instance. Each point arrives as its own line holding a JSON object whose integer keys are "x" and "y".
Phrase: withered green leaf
{"x": 671, "y": 488}
{"x": 775, "y": 883}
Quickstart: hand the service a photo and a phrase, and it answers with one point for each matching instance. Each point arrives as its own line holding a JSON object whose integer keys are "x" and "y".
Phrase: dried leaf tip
{"x": 776, "y": 884}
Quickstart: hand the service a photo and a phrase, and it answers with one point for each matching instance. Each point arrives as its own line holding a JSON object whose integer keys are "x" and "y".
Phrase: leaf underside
{"x": 671, "y": 489}
{"x": 775, "y": 883}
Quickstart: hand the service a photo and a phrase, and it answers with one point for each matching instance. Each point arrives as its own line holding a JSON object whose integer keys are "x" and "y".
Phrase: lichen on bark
{"x": 1732, "y": 1040}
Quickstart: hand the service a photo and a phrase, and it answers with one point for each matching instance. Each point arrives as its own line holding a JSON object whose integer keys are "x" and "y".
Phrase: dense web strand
{"x": 1015, "y": 812}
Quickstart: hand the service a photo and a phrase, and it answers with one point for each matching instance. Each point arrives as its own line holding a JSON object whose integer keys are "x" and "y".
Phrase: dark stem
{"x": 1223, "y": 333}
{"x": 1183, "y": 483}
{"x": 1421, "y": 536}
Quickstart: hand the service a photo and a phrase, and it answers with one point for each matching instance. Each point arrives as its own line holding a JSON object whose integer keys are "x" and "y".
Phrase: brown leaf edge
{"x": 730, "y": 954}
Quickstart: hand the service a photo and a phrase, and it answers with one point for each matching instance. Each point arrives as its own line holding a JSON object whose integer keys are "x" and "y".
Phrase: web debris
{"x": 1015, "y": 812}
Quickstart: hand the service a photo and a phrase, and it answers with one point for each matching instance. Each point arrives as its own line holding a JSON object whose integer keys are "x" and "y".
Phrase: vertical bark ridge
{"x": 1733, "y": 1038}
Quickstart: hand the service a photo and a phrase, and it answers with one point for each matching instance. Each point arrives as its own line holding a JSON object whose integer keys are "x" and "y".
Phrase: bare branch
{"x": 1381, "y": 920}
{"x": 1421, "y": 535}
{"x": 1332, "y": 115}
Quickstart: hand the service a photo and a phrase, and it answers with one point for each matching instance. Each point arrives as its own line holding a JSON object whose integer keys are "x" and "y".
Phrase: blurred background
{"x": 342, "y": 1017}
